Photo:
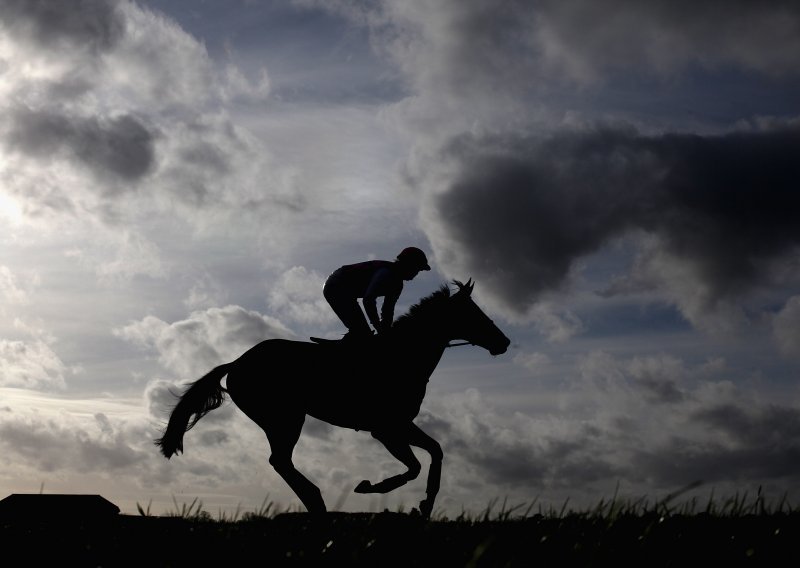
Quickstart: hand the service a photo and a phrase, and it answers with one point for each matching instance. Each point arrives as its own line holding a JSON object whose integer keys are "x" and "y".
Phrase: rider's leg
{"x": 347, "y": 309}
{"x": 351, "y": 315}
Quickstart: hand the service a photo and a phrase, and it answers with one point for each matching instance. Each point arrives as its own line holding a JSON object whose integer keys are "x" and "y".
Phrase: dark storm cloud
{"x": 736, "y": 443}
{"x": 89, "y": 24}
{"x": 748, "y": 444}
{"x": 773, "y": 426}
{"x": 559, "y": 463}
{"x": 488, "y": 44}
{"x": 661, "y": 391}
{"x": 686, "y": 461}
{"x": 519, "y": 460}
{"x": 122, "y": 147}
{"x": 463, "y": 48}
{"x": 520, "y": 210}
{"x": 513, "y": 42}
{"x": 662, "y": 35}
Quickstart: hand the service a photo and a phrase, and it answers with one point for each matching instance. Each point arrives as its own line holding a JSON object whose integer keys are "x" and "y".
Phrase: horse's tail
{"x": 199, "y": 398}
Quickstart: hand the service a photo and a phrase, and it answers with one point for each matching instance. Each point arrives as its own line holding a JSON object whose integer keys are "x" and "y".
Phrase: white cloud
{"x": 32, "y": 365}
{"x": 73, "y": 445}
{"x": 680, "y": 281}
{"x": 534, "y": 362}
{"x": 134, "y": 255}
{"x": 557, "y": 325}
{"x": 127, "y": 116}
{"x": 206, "y": 292}
{"x": 205, "y": 339}
{"x": 9, "y": 289}
{"x": 297, "y": 296}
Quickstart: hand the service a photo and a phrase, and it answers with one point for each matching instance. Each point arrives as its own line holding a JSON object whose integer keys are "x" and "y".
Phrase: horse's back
{"x": 293, "y": 365}
{"x": 335, "y": 383}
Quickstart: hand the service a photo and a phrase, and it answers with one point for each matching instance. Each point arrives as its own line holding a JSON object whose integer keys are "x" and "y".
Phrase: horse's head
{"x": 468, "y": 322}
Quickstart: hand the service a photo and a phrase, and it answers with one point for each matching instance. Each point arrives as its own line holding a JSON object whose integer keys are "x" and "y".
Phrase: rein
{"x": 458, "y": 344}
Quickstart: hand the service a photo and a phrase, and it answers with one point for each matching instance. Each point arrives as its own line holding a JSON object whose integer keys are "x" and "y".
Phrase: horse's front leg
{"x": 397, "y": 444}
{"x": 420, "y": 439}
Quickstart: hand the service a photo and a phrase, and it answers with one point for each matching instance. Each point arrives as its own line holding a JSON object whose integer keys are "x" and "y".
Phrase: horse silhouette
{"x": 377, "y": 385}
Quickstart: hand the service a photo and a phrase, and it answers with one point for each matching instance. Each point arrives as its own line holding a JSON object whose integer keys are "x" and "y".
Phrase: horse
{"x": 376, "y": 386}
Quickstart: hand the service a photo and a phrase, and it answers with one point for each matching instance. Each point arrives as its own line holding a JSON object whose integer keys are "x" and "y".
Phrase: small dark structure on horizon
{"x": 59, "y": 505}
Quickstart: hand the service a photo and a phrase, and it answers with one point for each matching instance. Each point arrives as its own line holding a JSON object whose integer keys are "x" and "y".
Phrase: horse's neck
{"x": 429, "y": 354}
{"x": 422, "y": 335}
{"x": 412, "y": 364}
{"x": 421, "y": 345}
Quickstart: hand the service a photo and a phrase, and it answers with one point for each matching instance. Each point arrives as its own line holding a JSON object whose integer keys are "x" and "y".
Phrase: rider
{"x": 370, "y": 280}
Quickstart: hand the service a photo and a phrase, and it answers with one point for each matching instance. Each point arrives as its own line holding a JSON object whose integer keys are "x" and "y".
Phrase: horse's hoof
{"x": 363, "y": 487}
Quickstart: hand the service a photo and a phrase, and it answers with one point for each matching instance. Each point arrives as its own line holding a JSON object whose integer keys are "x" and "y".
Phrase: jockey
{"x": 370, "y": 280}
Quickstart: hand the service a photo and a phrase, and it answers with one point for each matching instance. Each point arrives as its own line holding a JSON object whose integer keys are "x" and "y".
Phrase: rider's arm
{"x": 374, "y": 289}
{"x": 387, "y": 309}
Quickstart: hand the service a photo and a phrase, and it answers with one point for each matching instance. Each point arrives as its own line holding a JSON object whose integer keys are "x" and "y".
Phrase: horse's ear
{"x": 464, "y": 288}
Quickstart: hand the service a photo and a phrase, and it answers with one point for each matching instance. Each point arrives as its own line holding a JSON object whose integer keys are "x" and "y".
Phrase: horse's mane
{"x": 423, "y": 307}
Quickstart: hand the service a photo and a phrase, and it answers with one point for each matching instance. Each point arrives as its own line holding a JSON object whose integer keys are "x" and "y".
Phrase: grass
{"x": 194, "y": 511}
{"x": 737, "y": 505}
{"x": 741, "y": 530}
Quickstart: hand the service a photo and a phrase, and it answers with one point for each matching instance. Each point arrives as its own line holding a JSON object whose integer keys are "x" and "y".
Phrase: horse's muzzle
{"x": 501, "y": 347}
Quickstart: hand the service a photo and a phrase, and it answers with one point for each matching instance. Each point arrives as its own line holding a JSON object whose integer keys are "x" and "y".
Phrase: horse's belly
{"x": 366, "y": 409}
{"x": 359, "y": 419}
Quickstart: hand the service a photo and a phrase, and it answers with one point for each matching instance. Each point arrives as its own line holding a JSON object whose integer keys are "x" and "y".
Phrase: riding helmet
{"x": 414, "y": 257}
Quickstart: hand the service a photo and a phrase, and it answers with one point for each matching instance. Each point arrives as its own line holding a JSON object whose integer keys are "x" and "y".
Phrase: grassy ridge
{"x": 735, "y": 533}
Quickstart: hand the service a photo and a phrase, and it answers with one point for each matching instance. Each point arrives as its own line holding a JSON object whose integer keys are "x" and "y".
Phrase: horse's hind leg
{"x": 397, "y": 444}
{"x": 282, "y": 436}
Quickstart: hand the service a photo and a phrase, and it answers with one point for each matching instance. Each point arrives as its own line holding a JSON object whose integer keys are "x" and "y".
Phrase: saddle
{"x": 344, "y": 341}
{"x": 324, "y": 341}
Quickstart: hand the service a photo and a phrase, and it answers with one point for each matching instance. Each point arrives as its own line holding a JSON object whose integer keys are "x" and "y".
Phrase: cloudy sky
{"x": 620, "y": 179}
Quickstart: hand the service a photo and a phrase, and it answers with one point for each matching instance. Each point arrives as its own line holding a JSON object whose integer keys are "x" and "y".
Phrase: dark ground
{"x": 397, "y": 539}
